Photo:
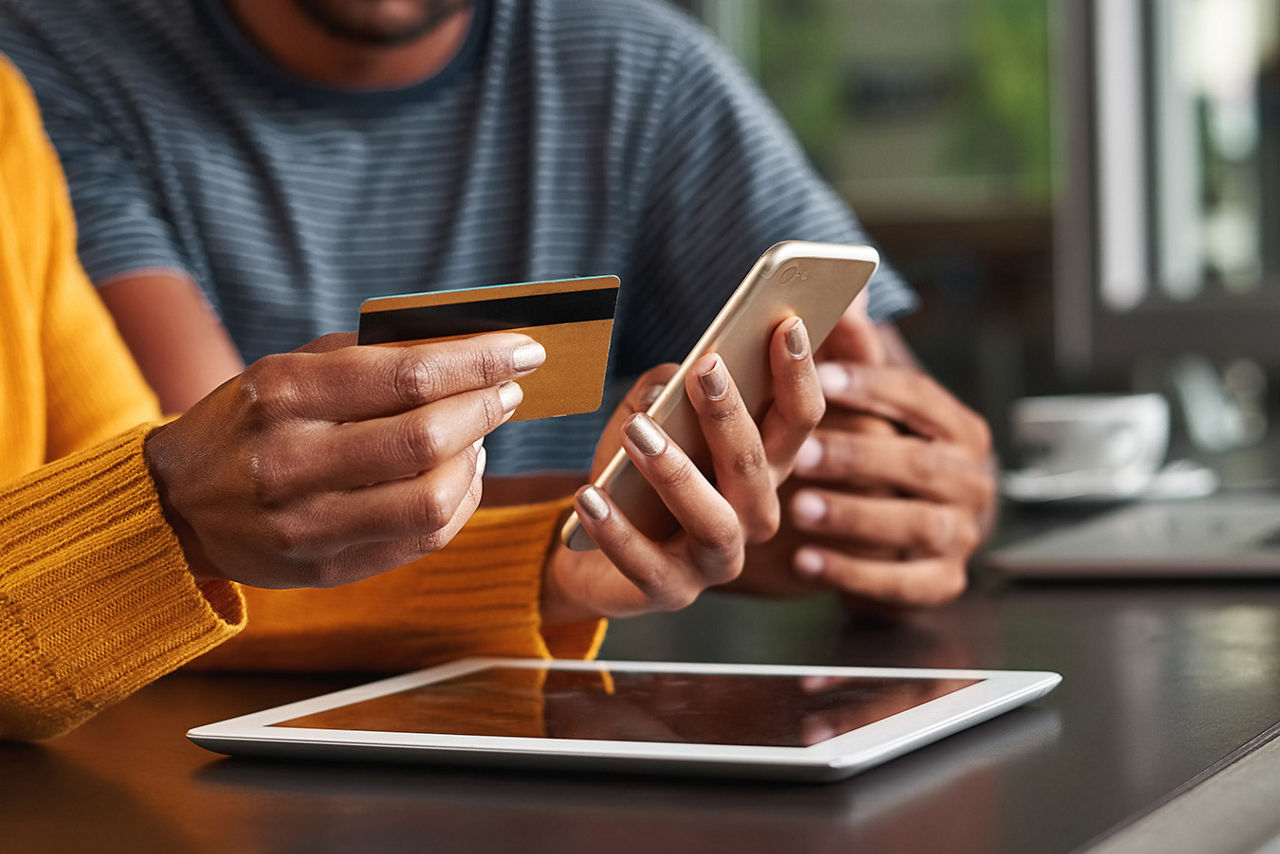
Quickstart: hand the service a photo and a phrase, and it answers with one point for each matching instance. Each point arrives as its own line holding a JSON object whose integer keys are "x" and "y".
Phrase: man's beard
{"x": 351, "y": 20}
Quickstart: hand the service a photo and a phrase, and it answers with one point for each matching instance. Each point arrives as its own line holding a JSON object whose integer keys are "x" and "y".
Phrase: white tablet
{"x": 746, "y": 721}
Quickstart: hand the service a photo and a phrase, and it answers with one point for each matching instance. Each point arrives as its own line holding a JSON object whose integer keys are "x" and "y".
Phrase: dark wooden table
{"x": 1163, "y": 684}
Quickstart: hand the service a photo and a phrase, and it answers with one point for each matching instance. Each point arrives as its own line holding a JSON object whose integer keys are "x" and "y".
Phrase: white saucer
{"x": 1178, "y": 479}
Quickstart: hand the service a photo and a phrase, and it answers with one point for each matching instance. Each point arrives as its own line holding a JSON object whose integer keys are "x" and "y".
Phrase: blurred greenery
{"x": 802, "y": 67}
{"x": 994, "y": 120}
{"x": 1003, "y": 121}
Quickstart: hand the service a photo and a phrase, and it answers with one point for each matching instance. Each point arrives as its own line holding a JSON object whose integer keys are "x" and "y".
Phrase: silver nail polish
{"x": 798, "y": 340}
{"x": 651, "y": 394}
{"x": 593, "y": 502}
{"x": 715, "y": 382}
{"x": 526, "y": 357}
{"x": 510, "y": 394}
{"x": 647, "y": 436}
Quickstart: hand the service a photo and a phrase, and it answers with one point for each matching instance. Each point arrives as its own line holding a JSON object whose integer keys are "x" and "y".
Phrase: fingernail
{"x": 809, "y": 455}
{"x": 481, "y": 459}
{"x": 651, "y": 394}
{"x": 510, "y": 394}
{"x": 647, "y": 436}
{"x": 798, "y": 340}
{"x": 834, "y": 378}
{"x": 714, "y": 381}
{"x": 478, "y": 444}
{"x": 595, "y": 505}
{"x": 808, "y": 508}
{"x": 808, "y": 563}
{"x": 526, "y": 357}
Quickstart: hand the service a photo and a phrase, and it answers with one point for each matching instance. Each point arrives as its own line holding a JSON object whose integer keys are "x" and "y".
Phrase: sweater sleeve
{"x": 477, "y": 596}
{"x": 95, "y": 596}
{"x": 69, "y": 376}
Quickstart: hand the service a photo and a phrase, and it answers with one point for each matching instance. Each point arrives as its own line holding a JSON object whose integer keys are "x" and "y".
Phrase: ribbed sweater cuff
{"x": 478, "y": 596}
{"x": 573, "y": 640}
{"x": 95, "y": 596}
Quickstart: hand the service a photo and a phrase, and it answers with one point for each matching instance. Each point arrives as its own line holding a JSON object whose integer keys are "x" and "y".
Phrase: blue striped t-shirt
{"x": 567, "y": 138}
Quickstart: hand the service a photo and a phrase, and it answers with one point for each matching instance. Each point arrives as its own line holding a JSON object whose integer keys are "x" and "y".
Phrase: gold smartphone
{"x": 813, "y": 281}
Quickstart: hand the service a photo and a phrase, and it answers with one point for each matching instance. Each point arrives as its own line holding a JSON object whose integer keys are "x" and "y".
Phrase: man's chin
{"x": 381, "y": 23}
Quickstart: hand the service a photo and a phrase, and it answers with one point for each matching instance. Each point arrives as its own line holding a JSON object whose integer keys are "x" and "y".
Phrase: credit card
{"x": 571, "y": 318}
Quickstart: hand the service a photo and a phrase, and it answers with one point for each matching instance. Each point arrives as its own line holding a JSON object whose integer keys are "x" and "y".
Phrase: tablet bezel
{"x": 996, "y": 691}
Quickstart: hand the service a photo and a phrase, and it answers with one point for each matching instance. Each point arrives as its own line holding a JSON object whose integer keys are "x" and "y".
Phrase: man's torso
{"x": 531, "y": 156}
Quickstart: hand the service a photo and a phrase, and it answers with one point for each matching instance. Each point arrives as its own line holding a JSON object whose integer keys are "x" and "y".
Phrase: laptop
{"x": 1226, "y": 535}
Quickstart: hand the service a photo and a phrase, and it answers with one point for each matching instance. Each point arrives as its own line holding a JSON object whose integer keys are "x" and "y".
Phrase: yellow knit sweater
{"x": 95, "y": 596}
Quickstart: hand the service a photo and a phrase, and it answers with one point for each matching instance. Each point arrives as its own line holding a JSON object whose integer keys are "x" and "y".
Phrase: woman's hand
{"x": 333, "y": 463}
{"x": 633, "y": 573}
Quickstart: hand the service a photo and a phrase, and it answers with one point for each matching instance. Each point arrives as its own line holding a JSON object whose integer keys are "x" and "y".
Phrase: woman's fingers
{"x": 708, "y": 521}
{"x": 640, "y": 397}
{"x": 749, "y": 461}
{"x": 362, "y": 453}
{"x": 716, "y": 521}
{"x": 799, "y": 403}
{"x": 361, "y": 560}
{"x": 670, "y": 574}
{"x": 742, "y": 471}
{"x": 646, "y": 579}
{"x": 319, "y": 386}
{"x": 415, "y": 512}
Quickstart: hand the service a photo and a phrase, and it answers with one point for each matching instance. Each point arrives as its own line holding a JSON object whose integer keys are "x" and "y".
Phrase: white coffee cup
{"x": 1118, "y": 441}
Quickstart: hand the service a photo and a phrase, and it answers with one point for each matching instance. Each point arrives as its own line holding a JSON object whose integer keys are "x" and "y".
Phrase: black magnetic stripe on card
{"x": 473, "y": 318}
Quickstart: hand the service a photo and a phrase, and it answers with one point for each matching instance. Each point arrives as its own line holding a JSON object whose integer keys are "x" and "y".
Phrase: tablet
{"x": 742, "y": 721}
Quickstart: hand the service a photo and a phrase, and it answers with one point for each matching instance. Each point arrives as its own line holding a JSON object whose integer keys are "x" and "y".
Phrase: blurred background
{"x": 1085, "y": 192}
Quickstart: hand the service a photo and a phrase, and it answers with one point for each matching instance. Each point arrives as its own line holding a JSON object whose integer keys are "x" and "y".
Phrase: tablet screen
{"x": 621, "y": 705}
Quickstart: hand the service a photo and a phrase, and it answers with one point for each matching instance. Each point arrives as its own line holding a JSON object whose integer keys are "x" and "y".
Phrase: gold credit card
{"x": 571, "y": 318}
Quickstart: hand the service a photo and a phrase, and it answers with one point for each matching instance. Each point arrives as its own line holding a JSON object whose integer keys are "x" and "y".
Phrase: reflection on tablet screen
{"x": 701, "y": 708}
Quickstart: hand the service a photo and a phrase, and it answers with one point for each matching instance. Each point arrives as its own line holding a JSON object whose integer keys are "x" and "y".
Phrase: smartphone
{"x": 813, "y": 281}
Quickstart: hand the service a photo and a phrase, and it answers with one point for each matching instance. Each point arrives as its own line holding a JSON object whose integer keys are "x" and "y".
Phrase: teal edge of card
{"x": 488, "y": 287}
